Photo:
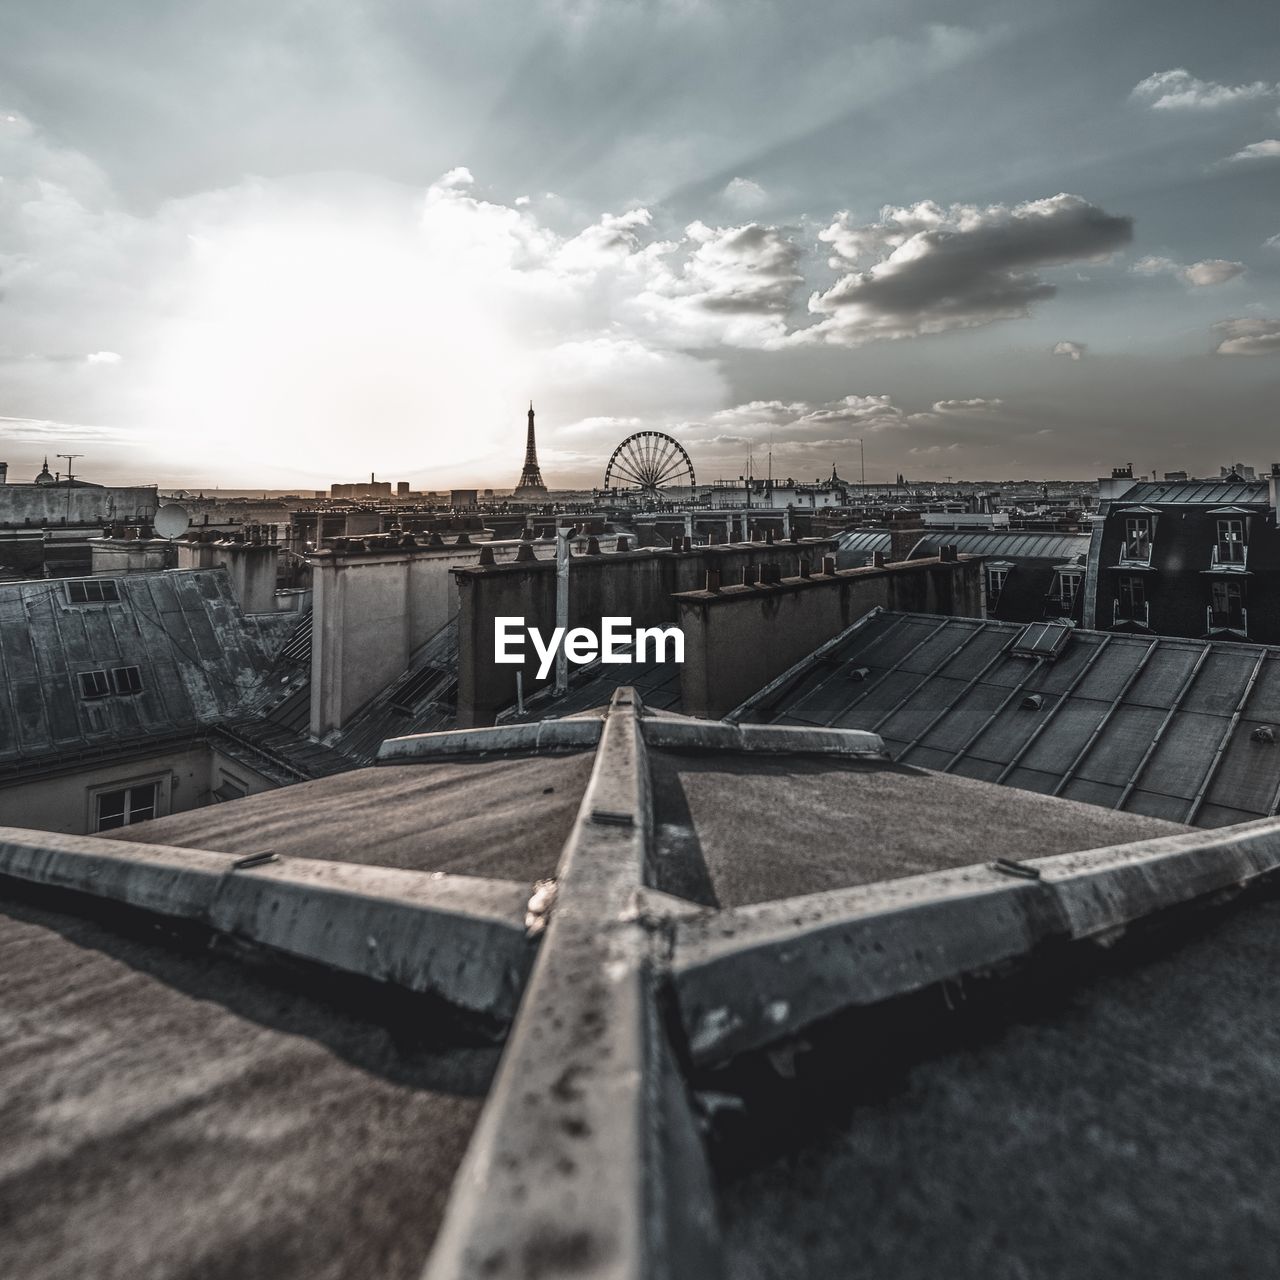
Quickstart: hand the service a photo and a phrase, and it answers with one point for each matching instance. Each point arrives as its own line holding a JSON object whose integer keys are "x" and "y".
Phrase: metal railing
{"x": 1227, "y": 619}
{"x": 1133, "y": 612}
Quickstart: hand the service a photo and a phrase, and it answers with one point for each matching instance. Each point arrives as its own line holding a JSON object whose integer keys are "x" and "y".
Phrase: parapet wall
{"x": 33, "y": 504}
{"x": 640, "y": 585}
{"x": 739, "y": 638}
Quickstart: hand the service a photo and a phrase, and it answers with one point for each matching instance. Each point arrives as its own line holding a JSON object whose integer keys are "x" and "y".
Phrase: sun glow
{"x": 330, "y": 338}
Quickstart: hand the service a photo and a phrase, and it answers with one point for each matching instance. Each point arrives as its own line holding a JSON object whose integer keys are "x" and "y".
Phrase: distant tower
{"x": 531, "y": 485}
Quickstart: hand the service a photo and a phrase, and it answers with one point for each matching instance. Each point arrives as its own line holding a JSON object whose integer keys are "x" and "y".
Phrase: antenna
{"x": 70, "y": 457}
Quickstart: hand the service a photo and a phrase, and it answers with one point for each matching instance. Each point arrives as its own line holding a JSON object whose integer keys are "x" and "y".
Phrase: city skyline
{"x": 290, "y": 248}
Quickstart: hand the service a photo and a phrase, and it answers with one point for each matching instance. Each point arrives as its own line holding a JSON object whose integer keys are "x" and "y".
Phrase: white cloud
{"x": 1201, "y": 274}
{"x": 103, "y": 357}
{"x": 1073, "y": 350}
{"x": 744, "y": 194}
{"x": 1272, "y": 242}
{"x": 933, "y": 269}
{"x": 976, "y": 406}
{"x": 1179, "y": 90}
{"x": 1267, "y": 149}
{"x": 1249, "y": 336}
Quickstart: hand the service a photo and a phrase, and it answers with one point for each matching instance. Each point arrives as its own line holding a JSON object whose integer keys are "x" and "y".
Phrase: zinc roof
{"x": 1145, "y": 724}
{"x": 1197, "y": 492}
{"x": 198, "y": 659}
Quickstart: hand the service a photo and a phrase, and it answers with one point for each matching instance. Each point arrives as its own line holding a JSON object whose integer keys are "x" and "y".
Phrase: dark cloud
{"x": 959, "y": 267}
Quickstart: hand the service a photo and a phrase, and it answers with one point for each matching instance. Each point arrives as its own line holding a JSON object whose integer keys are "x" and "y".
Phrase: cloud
{"x": 1075, "y": 350}
{"x": 103, "y": 357}
{"x": 1249, "y": 336}
{"x": 744, "y": 194}
{"x": 1179, "y": 90}
{"x": 1272, "y": 242}
{"x": 1201, "y": 274}
{"x": 1267, "y": 149}
{"x": 975, "y": 406}
{"x": 935, "y": 269}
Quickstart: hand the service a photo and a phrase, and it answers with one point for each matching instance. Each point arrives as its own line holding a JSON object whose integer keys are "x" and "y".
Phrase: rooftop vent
{"x": 1041, "y": 640}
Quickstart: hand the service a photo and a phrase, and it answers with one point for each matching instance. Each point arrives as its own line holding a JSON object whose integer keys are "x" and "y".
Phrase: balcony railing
{"x": 1229, "y": 555}
{"x": 1136, "y": 613}
{"x": 1056, "y": 607}
{"x": 1227, "y": 620}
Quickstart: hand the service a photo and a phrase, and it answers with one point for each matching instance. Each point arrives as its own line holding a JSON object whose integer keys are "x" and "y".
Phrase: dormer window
{"x": 1230, "y": 547}
{"x": 1137, "y": 539}
{"x": 997, "y": 576}
{"x": 1066, "y": 586}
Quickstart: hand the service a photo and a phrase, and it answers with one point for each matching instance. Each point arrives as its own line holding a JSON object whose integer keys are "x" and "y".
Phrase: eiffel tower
{"x": 531, "y": 485}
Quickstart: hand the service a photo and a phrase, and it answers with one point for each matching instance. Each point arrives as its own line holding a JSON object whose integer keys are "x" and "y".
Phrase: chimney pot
{"x": 624, "y": 544}
{"x": 526, "y": 552}
{"x": 593, "y": 546}
{"x": 805, "y": 567}
{"x": 713, "y": 579}
{"x": 486, "y": 555}
{"x": 828, "y": 565}
{"x": 687, "y": 544}
{"x": 877, "y": 559}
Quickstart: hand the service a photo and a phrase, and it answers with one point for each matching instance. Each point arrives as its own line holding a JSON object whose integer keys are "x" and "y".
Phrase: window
{"x": 1066, "y": 586}
{"x": 1226, "y": 605}
{"x": 128, "y": 805}
{"x": 1229, "y": 548}
{"x": 126, "y": 680}
{"x": 93, "y": 591}
{"x": 1137, "y": 538}
{"x": 1132, "y": 603}
{"x": 93, "y": 684}
{"x": 995, "y": 583}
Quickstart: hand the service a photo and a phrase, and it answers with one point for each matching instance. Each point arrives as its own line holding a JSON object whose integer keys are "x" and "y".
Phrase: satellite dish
{"x": 171, "y": 521}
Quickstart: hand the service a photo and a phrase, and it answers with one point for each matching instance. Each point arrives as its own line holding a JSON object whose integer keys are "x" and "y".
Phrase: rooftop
{"x": 1180, "y": 729}
{"x": 1011, "y": 545}
{"x": 94, "y": 663}
{"x": 748, "y": 976}
{"x": 1200, "y": 493}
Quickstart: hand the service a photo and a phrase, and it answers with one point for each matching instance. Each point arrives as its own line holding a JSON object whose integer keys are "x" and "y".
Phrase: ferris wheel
{"x": 647, "y": 463}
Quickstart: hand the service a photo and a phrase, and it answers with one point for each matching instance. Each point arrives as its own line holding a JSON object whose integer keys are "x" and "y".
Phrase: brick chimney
{"x": 906, "y": 528}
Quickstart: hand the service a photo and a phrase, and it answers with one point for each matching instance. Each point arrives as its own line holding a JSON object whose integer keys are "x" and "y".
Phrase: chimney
{"x": 905, "y": 530}
{"x": 1273, "y": 485}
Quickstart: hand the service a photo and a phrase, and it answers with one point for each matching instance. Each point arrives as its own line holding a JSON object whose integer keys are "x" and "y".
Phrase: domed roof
{"x": 45, "y": 476}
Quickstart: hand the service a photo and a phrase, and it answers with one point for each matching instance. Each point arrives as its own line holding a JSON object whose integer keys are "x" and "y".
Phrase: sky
{"x": 299, "y": 243}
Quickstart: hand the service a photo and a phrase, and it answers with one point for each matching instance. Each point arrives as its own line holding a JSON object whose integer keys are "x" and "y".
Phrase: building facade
{"x": 1195, "y": 558}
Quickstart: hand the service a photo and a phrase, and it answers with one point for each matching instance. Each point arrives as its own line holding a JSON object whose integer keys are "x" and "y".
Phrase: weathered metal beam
{"x": 570, "y": 734}
{"x": 682, "y": 734}
{"x": 746, "y": 977}
{"x": 461, "y": 938}
{"x": 586, "y": 1160}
